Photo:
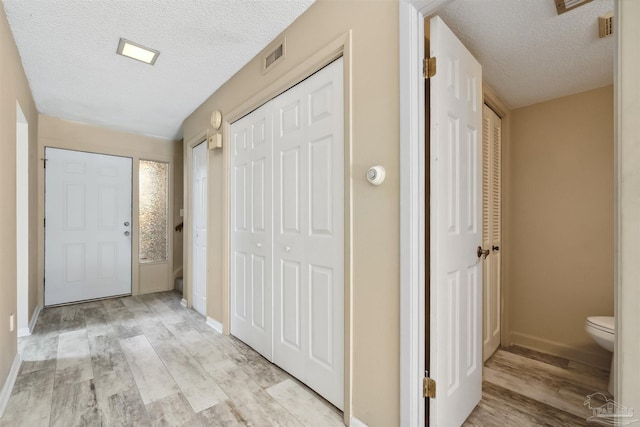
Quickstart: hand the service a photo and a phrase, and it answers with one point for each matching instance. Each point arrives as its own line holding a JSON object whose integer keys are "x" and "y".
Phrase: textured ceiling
{"x": 68, "y": 52}
{"x": 528, "y": 52}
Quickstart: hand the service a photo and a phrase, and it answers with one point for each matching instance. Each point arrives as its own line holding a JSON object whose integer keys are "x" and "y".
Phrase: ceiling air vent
{"x": 566, "y": 5}
{"x": 605, "y": 24}
{"x": 275, "y": 53}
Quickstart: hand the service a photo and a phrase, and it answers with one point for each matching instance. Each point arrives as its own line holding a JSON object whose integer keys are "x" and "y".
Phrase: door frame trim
{"x": 341, "y": 46}
{"x": 187, "y": 291}
{"x": 413, "y": 219}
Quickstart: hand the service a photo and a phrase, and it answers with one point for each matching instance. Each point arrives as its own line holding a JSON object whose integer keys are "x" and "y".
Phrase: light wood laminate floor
{"x": 147, "y": 361}
{"x": 526, "y": 388}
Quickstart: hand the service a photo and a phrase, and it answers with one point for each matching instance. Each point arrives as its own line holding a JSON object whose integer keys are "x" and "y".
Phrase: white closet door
{"x": 88, "y": 226}
{"x": 491, "y": 208}
{"x": 308, "y": 244}
{"x": 287, "y": 243}
{"x": 199, "y": 229}
{"x": 251, "y": 261}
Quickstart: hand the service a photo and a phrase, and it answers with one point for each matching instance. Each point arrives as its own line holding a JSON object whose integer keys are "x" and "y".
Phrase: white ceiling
{"x": 528, "y": 52}
{"x": 68, "y": 52}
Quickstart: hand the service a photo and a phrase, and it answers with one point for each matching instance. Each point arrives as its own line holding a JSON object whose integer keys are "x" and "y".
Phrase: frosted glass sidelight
{"x": 154, "y": 212}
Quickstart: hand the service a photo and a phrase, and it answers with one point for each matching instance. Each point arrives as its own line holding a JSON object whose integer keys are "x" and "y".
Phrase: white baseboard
{"x": 7, "y": 388}
{"x": 25, "y": 332}
{"x": 600, "y": 359}
{"x": 354, "y": 422}
{"x": 183, "y": 303}
{"x": 214, "y": 324}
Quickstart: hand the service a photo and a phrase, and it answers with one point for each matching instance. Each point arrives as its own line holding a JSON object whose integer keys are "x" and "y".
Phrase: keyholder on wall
{"x": 215, "y": 140}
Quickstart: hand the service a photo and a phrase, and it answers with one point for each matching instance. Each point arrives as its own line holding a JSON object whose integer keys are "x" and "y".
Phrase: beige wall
{"x": 558, "y": 210}
{"x": 58, "y": 133}
{"x": 13, "y": 88}
{"x": 373, "y": 132}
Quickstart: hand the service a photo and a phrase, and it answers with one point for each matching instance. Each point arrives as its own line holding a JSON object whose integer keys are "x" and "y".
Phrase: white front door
{"x": 199, "y": 229}
{"x": 287, "y": 242}
{"x": 87, "y": 226}
{"x": 491, "y": 214}
{"x": 456, "y": 229}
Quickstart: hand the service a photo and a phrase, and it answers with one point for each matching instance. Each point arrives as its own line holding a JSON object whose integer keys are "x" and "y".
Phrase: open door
{"x": 455, "y": 312}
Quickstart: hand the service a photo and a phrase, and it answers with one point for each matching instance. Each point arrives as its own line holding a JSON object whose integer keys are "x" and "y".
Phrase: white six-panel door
{"x": 88, "y": 226}
{"x": 288, "y": 231}
{"x": 456, "y": 229}
{"x": 308, "y": 247}
{"x": 251, "y": 250}
{"x": 199, "y": 229}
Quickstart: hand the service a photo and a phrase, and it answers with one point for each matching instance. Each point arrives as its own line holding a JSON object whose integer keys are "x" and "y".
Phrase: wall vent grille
{"x": 276, "y": 54}
{"x": 605, "y": 24}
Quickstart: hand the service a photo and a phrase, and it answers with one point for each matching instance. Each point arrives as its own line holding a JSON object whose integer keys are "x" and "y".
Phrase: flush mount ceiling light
{"x": 563, "y": 6}
{"x": 137, "y": 51}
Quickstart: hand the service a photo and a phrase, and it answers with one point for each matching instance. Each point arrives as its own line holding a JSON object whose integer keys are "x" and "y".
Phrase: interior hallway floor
{"x": 147, "y": 361}
{"x": 523, "y": 387}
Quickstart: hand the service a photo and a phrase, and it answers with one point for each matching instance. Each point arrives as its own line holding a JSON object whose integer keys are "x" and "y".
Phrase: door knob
{"x": 495, "y": 248}
{"x": 126, "y": 233}
{"x": 482, "y": 252}
{"x": 126, "y": 224}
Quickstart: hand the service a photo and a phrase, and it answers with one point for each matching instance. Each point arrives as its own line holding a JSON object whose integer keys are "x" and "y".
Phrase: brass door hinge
{"x": 429, "y": 387}
{"x": 429, "y": 67}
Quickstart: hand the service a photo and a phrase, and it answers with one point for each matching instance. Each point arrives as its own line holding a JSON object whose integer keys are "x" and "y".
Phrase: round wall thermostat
{"x": 216, "y": 119}
{"x": 376, "y": 174}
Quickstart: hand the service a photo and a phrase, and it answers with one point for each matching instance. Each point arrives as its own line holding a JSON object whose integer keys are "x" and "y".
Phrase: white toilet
{"x": 602, "y": 330}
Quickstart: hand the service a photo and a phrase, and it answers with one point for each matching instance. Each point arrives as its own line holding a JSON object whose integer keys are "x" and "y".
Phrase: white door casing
{"x": 199, "y": 228}
{"x": 88, "y": 226}
{"x": 22, "y": 220}
{"x": 308, "y": 247}
{"x": 287, "y": 244}
{"x": 491, "y": 235}
{"x": 251, "y": 222}
{"x": 456, "y": 229}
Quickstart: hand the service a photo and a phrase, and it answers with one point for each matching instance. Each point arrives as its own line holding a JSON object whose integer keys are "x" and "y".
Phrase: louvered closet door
{"x": 491, "y": 235}
{"x": 251, "y": 218}
{"x": 308, "y": 244}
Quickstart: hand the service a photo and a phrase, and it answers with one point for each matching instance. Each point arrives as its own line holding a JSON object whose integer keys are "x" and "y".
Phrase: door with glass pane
{"x": 87, "y": 226}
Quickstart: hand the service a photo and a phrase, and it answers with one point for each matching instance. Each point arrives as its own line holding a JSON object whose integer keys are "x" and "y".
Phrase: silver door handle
{"x": 484, "y": 253}
{"x": 126, "y": 233}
